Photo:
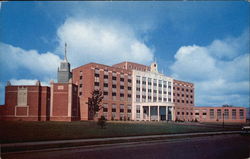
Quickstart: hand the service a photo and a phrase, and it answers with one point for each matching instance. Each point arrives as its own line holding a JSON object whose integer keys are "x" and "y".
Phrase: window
{"x": 121, "y": 87}
{"x": 80, "y": 85}
{"x": 149, "y": 90}
{"x": 191, "y": 91}
{"x": 211, "y": 113}
{"x": 129, "y": 88}
{"x": 178, "y": 88}
{"x": 154, "y": 99}
{"x": 138, "y": 109}
{"x": 182, "y": 113}
{"x": 138, "y": 81}
{"x": 178, "y": 113}
{"x": 182, "y": 101}
{"x": 96, "y": 83}
{"x": 105, "y": 107}
{"x": 187, "y": 96}
{"x": 113, "y": 94}
{"x": 80, "y": 93}
{"x": 129, "y": 95}
{"x": 97, "y": 75}
{"x": 121, "y": 95}
{"x": 149, "y": 81}
{"x": 204, "y": 113}
{"x": 113, "y": 86}
{"x": 182, "y": 95}
{"x": 226, "y": 114}
{"x": 80, "y": 77}
{"x": 113, "y": 108}
{"x": 155, "y": 82}
{"x": 137, "y": 88}
{"x": 241, "y": 114}
{"x": 182, "y": 89}
{"x": 121, "y": 108}
{"x": 122, "y": 79}
{"x": 197, "y": 114}
{"x": 113, "y": 78}
{"x": 105, "y": 85}
{"x": 191, "y": 96}
{"x": 178, "y": 100}
{"x": 219, "y": 114}
{"x": 105, "y": 93}
{"x": 178, "y": 94}
{"x": 129, "y": 80}
{"x": 186, "y": 90}
{"x": 187, "y": 113}
{"x": 234, "y": 114}
{"x": 106, "y": 77}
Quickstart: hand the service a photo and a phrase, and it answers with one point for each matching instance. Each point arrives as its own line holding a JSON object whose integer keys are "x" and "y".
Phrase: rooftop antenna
{"x": 65, "y": 53}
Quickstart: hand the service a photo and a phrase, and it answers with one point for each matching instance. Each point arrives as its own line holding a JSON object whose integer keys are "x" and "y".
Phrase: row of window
{"x": 114, "y": 110}
{"x": 183, "y": 113}
{"x": 113, "y": 85}
{"x": 224, "y": 114}
{"x": 160, "y": 99}
{"x": 182, "y": 95}
{"x": 183, "y": 101}
{"x": 182, "y": 89}
{"x": 113, "y": 77}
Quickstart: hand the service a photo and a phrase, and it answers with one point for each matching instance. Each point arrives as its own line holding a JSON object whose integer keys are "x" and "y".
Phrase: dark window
{"x": 178, "y": 113}
{"x": 113, "y": 94}
{"x": 191, "y": 113}
{"x": 155, "y": 91}
{"x": 144, "y": 89}
{"x": 186, "y": 113}
{"x": 187, "y": 96}
{"x": 144, "y": 82}
{"x": 204, "y": 113}
{"x": 113, "y": 110}
{"x": 129, "y": 95}
{"x": 187, "y": 90}
{"x": 113, "y": 86}
{"x": 129, "y": 110}
{"x": 129, "y": 88}
{"x": 165, "y": 92}
{"x": 178, "y": 88}
{"x": 182, "y": 101}
{"x": 121, "y": 95}
{"x": 106, "y": 93}
{"x": 113, "y": 78}
{"x": 105, "y": 109}
{"x": 96, "y": 75}
{"x": 178, "y": 94}
{"x": 174, "y": 88}
{"x": 121, "y": 110}
{"x": 122, "y": 79}
{"x": 191, "y": 96}
{"x": 182, "y": 89}
{"x": 196, "y": 113}
{"x": 105, "y": 85}
{"x": 149, "y": 90}
{"x": 173, "y": 94}
{"x": 191, "y": 90}
{"x": 129, "y": 80}
{"x": 80, "y": 93}
{"x": 187, "y": 101}
{"x": 106, "y": 76}
{"x": 178, "y": 100}
{"x": 182, "y": 113}
{"x": 96, "y": 83}
{"x": 137, "y": 89}
{"x": 191, "y": 102}
{"x": 182, "y": 95}
{"x": 121, "y": 87}
{"x": 80, "y": 86}
{"x": 80, "y": 77}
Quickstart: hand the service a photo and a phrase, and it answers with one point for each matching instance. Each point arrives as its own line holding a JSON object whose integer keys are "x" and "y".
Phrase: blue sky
{"x": 206, "y": 43}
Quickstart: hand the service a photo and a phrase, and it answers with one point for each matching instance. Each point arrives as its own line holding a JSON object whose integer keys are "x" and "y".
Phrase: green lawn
{"x": 21, "y": 131}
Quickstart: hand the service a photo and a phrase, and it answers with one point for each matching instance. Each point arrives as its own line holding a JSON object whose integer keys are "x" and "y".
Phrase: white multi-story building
{"x": 152, "y": 97}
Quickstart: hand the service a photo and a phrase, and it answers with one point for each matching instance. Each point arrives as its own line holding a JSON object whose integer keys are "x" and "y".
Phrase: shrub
{"x": 102, "y": 122}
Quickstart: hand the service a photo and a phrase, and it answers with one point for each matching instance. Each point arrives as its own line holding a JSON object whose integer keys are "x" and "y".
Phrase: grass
{"x": 21, "y": 131}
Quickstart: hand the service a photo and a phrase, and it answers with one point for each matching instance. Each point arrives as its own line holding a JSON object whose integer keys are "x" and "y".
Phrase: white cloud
{"x": 27, "y": 82}
{"x": 220, "y": 71}
{"x": 101, "y": 41}
{"x": 15, "y": 60}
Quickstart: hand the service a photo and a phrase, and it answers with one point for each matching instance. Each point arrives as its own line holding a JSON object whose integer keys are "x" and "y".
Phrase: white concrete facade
{"x": 152, "y": 97}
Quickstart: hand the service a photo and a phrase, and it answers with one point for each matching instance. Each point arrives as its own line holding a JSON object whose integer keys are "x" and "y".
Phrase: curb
{"x": 46, "y": 145}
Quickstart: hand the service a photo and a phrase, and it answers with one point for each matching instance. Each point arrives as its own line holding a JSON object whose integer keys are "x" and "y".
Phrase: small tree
{"x": 95, "y": 102}
{"x": 101, "y": 122}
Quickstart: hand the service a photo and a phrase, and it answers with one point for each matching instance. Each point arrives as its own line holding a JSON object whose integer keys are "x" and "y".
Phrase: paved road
{"x": 213, "y": 147}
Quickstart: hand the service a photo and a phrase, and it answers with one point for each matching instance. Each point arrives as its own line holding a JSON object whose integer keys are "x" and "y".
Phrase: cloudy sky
{"x": 206, "y": 43}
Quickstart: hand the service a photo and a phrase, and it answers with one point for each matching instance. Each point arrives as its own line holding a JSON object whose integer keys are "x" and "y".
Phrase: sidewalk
{"x": 42, "y": 145}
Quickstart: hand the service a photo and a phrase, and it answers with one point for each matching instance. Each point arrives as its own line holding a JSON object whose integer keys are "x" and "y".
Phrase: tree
{"x": 95, "y": 102}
